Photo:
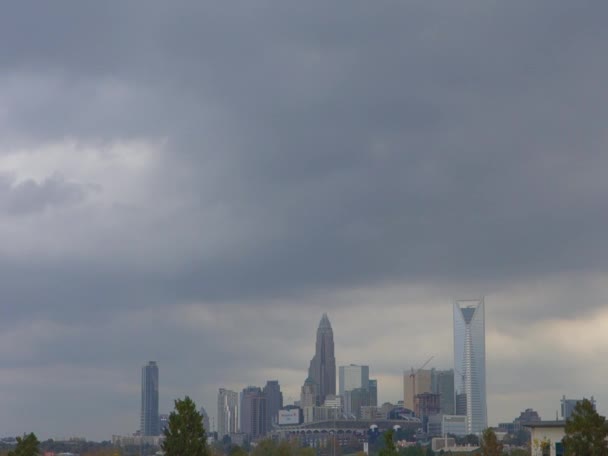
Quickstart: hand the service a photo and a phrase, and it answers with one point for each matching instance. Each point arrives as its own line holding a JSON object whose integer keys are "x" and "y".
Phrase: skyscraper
{"x": 470, "y": 363}
{"x": 443, "y": 384}
{"x": 253, "y": 412}
{"x": 353, "y": 376}
{"x": 274, "y": 402}
{"x": 149, "y": 418}
{"x": 323, "y": 365}
{"x": 227, "y": 412}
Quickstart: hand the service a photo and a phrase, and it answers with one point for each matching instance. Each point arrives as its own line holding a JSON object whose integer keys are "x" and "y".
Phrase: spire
{"x": 324, "y": 322}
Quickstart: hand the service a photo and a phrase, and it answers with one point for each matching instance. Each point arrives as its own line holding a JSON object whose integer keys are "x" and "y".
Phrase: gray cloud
{"x": 307, "y": 150}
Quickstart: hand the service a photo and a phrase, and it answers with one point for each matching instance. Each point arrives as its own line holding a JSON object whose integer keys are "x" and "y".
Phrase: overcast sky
{"x": 197, "y": 182}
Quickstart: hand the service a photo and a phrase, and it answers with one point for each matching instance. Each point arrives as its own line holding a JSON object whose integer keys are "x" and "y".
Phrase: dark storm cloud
{"x": 307, "y": 147}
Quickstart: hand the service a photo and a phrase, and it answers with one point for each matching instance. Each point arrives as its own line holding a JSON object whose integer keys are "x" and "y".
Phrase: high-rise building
{"x": 352, "y": 377}
{"x": 323, "y": 365}
{"x": 415, "y": 383}
{"x": 253, "y": 412}
{"x": 568, "y": 405}
{"x": 149, "y": 418}
{"x": 373, "y": 392}
{"x": 309, "y": 395}
{"x": 443, "y": 384}
{"x": 274, "y": 402}
{"x": 206, "y": 423}
{"x": 227, "y": 412}
{"x": 470, "y": 363}
{"x": 354, "y": 400}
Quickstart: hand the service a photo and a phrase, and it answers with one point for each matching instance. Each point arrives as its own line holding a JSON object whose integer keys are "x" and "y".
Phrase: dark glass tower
{"x": 323, "y": 365}
{"x": 149, "y": 421}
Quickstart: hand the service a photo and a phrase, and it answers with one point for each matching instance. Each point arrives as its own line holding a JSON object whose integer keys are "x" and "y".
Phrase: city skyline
{"x": 196, "y": 183}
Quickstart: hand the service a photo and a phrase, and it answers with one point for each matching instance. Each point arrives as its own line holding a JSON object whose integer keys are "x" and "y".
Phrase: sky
{"x": 195, "y": 183}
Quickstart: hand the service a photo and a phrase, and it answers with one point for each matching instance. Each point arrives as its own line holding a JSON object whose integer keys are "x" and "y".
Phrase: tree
{"x": 490, "y": 446}
{"x": 26, "y": 446}
{"x": 586, "y": 432}
{"x": 185, "y": 434}
{"x": 389, "y": 445}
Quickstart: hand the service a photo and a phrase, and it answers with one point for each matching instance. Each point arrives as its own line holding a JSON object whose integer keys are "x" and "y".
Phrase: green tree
{"x": 389, "y": 445}
{"x": 586, "y": 432}
{"x": 490, "y": 445}
{"x": 26, "y": 446}
{"x": 185, "y": 434}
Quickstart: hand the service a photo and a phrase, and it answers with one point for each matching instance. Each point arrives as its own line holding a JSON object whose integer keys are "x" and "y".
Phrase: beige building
{"x": 546, "y": 437}
{"x": 414, "y": 384}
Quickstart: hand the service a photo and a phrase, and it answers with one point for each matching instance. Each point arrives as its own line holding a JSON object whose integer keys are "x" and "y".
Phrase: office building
{"x": 470, "y": 363}
{"x": 322, "y": 368}
{"x": 228, "y": 421}
{"x": 352, "y": 377}
{"x": 568, "y": 406}
{"x": 309, "y": 395}
{"x": 354, "y": 400}
{"x": 373, "y": 392}
{"x": 274, "y": 403}
{"x": 414, "y": 383}
{"x": 149, "y": 418}
{"x": 206, "y": 423}
{"x": 443, "y": 384}
{"x": 253, "y": 412}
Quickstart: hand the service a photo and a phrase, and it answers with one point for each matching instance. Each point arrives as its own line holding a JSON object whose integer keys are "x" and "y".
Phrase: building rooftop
{"x": 535, "y": 424}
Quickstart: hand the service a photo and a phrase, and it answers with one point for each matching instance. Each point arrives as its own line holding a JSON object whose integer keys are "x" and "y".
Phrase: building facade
{"x": 353, "y": 376}
{"x": 253, "y": 412}
{"x": 415, "y": 383}
{"x": 274, "y": 402}
{"x": 443, "y": 384}
{"x": 568, "y": 405}
{"x": 322, "y": 368}
{"x": 149, "y": 418}
{"x": 470, "y": 363}
{"x": 228, "y": 421}
{"x": 373, "y": 392}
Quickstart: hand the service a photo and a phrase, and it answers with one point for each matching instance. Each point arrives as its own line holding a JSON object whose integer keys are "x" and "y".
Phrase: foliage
{"x": 269, "y": 447}
{"x": 490, "y": 445}
{"x": 28, "y": 445}
{"x": 586, "y": 432}
{"x": 185, "y": 434}
{"x": 389, "y": 445}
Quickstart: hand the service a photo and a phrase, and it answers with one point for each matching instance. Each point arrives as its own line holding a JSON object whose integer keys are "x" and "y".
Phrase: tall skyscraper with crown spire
{"x": 323, "y": 365}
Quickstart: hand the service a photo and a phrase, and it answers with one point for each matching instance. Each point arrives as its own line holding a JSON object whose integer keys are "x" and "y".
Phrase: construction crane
{"x": 415, "y": 373}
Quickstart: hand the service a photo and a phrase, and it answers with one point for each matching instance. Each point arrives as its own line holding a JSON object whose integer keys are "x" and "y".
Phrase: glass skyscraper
{"x": 149, "y": 419}
{"x": 470, "y": 363}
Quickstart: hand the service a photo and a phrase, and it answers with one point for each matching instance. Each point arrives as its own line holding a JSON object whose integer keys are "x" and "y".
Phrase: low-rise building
{"x": 546, "y": 437}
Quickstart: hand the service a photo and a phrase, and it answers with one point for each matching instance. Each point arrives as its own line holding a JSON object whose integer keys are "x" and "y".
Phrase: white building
{"x": 228, "y": 420}
{"x": 546, "y": 437}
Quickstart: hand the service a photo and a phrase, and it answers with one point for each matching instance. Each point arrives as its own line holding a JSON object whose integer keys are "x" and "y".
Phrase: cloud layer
{"x": 197, "y": 183}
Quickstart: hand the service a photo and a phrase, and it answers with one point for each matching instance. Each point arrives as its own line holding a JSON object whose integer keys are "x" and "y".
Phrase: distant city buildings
{"x": 149, "y": 418}
{"x": 227, "y": 412}
{"x": 164, "y": 422}
{"x": 322, "y": 370}
{"x": 353, "y": 376}
{"x": 414, "y": 383}
{"x": 253, "y": 412}
{"x": 274, "y": 402}
{"x": 568, "y": 405}
{"x": 206, "y": 423}
{"x": 470, "y": 363}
